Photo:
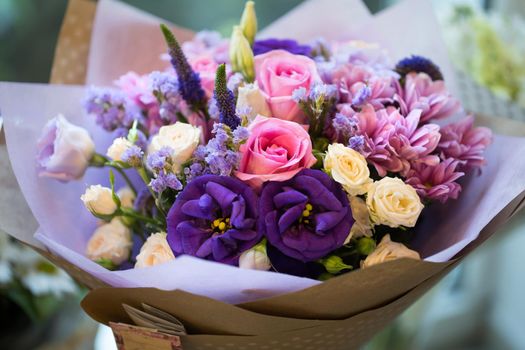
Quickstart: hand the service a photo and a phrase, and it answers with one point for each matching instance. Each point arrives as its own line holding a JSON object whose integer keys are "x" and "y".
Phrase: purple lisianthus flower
{"x": 292, "y": 46}
{"x": 305, "y": 217}
{"x": 64, "y": 150}
{"x": 214, "y": 218}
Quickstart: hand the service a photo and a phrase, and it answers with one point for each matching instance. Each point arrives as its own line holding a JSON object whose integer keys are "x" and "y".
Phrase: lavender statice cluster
{"x": 346, "y": 131}
{"x": 111, "y": 108}
{"x": 161, "y": 165}
{"x": 343, "y": 126}
{"x": 165, "y": 88}
{"x": 319, "y": 94}
{"x": 221, "y": 155}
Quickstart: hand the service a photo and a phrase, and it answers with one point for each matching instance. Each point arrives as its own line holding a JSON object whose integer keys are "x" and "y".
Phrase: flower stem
{"x": 145, "y": 178}
{"x": 134, "y": 215}
{"x": 126, "y": 178}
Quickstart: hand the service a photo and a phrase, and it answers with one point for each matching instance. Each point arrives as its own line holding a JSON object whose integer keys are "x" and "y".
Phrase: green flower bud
{"x": 249, "y": 22}
{"x": 241, "y": 55}
{"x": 334, "y": 264}
{"x": 366, "y": 245}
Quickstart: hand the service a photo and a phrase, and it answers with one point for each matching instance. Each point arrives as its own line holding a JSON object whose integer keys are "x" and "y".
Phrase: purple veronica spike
{"x": 214, "y": 218}
{"x": 225, "y": 100}
{"x": 189, "y": 82}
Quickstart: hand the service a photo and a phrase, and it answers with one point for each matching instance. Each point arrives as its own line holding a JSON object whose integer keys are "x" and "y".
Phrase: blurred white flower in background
{"x": 21, "y": 266}
{"x": 488, "y": 46}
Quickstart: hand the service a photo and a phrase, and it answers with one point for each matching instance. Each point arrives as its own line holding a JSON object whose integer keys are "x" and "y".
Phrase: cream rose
{"x": 393, "y": 203}
{"x": 348, "y": 167}
{"x": 182, "y": 138}
{"x": 388, "y": 250}
{"x": 155, "y": 251}
{"x": 127, "y": 197}
{"x": 362, "y": 226}
{"x": 110, "y": 241}
{"x": 118, "y": 147}
{"x": 250, "y": 96}
{"x": 99, "y": 200}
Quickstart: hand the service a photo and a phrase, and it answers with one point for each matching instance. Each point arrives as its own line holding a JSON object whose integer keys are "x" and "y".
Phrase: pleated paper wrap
{"x": 224, "y": 307}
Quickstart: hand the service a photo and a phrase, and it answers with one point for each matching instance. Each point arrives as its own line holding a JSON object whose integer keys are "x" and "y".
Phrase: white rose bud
{"x": 127, "y": 197}
{"x": 111, "y": 242}
{"x": 393, "y": 203}
{"x": 64, "y": 150}
{"x": 118, "y": 147}
{"x": 155, "y": 251}
{"x": 250, "y": 96}
{"x": 349, "y": 168}
{"x": 181, "y": 137}
{"x": 99, "y": 200}
{"x": 388, "y": 250}
{"x": 362, "y": 226}
{"x": 255, "y": 258}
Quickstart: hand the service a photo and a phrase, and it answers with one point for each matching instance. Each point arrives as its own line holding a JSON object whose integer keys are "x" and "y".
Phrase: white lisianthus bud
{"x": 255, "y": 258}
{"x": 393, "y": 203}
{"x": 118, "y": 147}
{"x": 99, "y": 200}
{"x": 127, "y": 197}
{"x": 251, "y": 97}
{"x": 348, "y": 167}
{"x": 110, "y": 242}
{"x": 249, "y": 22}
{"x": 388, "y": 250}
{"x": 182, "y": 138}
{"x": 155, "y": 251}
{"x": 241, "y": 55}
{"x": 64, "y": 150}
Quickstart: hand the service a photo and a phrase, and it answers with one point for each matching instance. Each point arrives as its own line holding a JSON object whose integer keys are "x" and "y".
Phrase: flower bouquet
{"x": 292, "y": 192}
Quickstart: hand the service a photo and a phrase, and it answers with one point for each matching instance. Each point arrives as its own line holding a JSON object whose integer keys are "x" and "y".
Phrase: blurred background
{"x": 480, "y": 305}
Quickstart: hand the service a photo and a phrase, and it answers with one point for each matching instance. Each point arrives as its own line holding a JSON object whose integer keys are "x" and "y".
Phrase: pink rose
{"x": 275, "y": 151}
{"x": 206, "y": 66}
{"x": 279, "y": 73}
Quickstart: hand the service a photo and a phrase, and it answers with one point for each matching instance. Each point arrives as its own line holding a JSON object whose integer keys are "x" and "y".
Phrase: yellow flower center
{"x": 221, "y": 225}
{"x": 307, "y": 212}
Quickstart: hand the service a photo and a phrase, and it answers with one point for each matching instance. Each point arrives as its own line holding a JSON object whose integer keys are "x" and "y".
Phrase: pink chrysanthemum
{"x": 432, "y": 97}
{"x": 464, "y": 142}
{"x": 360, "y": 85}
{"x": 392, "y": 142}
{"x": 437, "y": 182}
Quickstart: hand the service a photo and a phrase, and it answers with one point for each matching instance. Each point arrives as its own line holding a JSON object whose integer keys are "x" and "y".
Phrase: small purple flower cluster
{"x": 221, "y": 155}
{"x": 111, "y": 108}
{"x": 165, "y": 88}
{"x": 161, "y": 164}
